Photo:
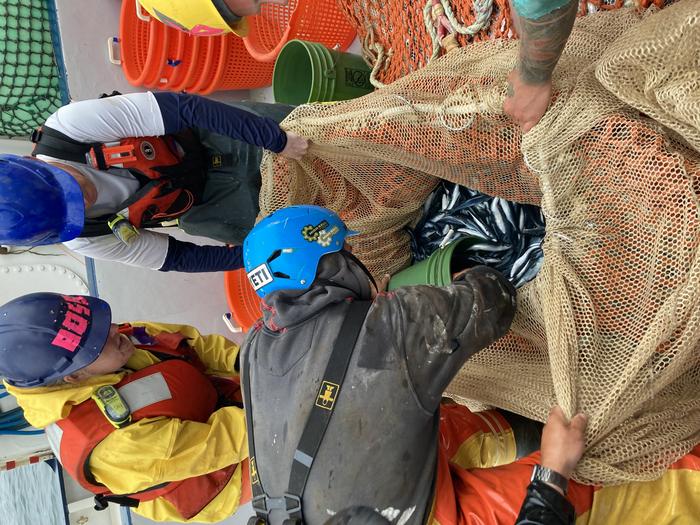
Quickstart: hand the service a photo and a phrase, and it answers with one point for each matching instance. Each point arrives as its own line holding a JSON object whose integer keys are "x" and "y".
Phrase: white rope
{"x": 431, "y": 29}
{"x": 373, "y": 53}
{"x": 483, "y": 10}
{"x": 377, "y": 58}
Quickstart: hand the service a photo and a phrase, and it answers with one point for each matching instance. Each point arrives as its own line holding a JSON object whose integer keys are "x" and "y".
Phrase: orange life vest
{"x": 175, "y": 388}
{"x": 171, "y": 170}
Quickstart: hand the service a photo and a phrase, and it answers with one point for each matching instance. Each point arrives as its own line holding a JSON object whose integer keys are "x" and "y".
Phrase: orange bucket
{"x": 175, "y": 60}
{"x": 155, "y": 55}
{"x": 319, "y": 21}
{"x": 185, "y": 71}
{"x": 242, "y": 299}
{"x": 156, "y": 62}
{"x": 198, "y": 64}
{"x": 137, "y": 43}
{"x": 210, "y": 65}
{"x": 239, "y": 70}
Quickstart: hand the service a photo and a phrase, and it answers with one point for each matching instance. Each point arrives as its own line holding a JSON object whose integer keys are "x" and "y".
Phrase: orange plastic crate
{"x": 312, "y": 20}
{"x": 216, "y": 49}
{"x": 242, "y": 71}
{"x": 136, "y": 43}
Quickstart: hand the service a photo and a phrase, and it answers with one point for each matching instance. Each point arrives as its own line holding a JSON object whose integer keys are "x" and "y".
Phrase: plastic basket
{"x": 242, "y": 299}
{"x": 176, "y": 60}
{"x": 158, "y": 56}
{"x": 186, "y": 70}
{"x": 157, "y": 60}
{"x": 135, "y": 43}
{"x": 216, "y": 49}
{"x": 240, "y": 70}
{"x": 319, "y": 21}
{"x": 216, "y": 71}
{"x": 198, "y": 64}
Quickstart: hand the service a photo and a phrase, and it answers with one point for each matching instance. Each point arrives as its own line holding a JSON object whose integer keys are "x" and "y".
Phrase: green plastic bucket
{"x": 436, "y": 269}
{"x": 309, "y": 72}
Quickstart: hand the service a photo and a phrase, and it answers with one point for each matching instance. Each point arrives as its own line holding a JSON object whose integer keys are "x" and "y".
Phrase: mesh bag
{"x": 397, "y": 40}
{"x": 29, "y": 89}
{"x": 610, "y": 326}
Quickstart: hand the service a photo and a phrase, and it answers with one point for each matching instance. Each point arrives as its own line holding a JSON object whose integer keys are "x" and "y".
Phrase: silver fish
{"x": 447, "y": 238}
{"x": 489, "y": 247}
{"x": 523, "y": 259}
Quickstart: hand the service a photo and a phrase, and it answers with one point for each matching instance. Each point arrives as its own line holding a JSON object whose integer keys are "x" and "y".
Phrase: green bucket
{"x": 309, "y": 72}
{"x": 436, "y": 269}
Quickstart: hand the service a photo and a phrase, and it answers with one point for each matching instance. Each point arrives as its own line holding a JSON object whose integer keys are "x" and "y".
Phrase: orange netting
{"x": 611, "y": 324}
{"x": 396, "y": 40}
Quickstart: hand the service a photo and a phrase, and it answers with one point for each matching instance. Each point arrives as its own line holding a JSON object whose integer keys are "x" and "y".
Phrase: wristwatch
{"x": 549, "y": 476}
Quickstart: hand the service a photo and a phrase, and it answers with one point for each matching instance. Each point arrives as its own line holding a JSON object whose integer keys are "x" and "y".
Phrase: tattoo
{"x": 542, "y": 42}
{"x": 510, "y": 92}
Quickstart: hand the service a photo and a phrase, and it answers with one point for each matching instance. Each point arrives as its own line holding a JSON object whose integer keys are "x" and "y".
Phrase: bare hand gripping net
{"x": 611, "y": 324}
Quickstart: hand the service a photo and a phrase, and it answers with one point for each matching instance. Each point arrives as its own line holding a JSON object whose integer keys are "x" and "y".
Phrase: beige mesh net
{"x": 611, "y": 324}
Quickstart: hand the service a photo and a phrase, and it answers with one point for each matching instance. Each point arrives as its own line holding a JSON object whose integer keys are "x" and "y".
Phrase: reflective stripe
{"x": 303, "y": 458}
{"x": 145, "y": 391}
{"x": 54, "y": 434}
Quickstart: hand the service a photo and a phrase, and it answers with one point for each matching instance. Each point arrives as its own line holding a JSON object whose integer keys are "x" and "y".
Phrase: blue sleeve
{"x": 187, "y": 257}
{"x": 181, "y": 111}
{"x": 536, "y": 9}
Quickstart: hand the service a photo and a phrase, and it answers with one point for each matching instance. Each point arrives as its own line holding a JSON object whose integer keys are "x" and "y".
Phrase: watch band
{"x": 548, "y": 475}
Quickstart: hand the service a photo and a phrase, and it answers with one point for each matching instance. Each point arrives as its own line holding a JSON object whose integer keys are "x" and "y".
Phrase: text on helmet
{"x": 75, "y": 323}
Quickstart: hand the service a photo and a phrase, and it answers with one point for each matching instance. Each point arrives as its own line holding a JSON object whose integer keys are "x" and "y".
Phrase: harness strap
{"x": 100, "y": 225}
{"x": 53, "y": 143}
{"x": 102, "y": 501}
{"x": 316, "y": 424}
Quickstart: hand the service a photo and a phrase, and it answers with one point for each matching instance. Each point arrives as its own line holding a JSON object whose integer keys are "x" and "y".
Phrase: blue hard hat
{"x": 283, "y": 250}
{"x": 45, "y": 336}
{"x": 39, "y": 204}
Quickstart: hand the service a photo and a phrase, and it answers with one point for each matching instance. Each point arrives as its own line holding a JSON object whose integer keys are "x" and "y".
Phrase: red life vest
{"x": 171, "y": 170}
{"x": 175, "y": 388}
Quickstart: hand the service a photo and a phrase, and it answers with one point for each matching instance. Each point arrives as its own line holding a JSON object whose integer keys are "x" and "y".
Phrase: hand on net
{"x": 563, "y": 441}
{"x": 526, "y": 103}
{"x": 296, "y": 147}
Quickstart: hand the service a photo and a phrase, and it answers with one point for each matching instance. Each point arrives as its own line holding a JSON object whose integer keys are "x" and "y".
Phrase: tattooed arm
{"x": 543, "y": 26}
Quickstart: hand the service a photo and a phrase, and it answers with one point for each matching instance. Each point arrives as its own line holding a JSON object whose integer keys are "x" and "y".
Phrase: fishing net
{"x": 399, "y": 37}
{"x": 29, "y": 88}
{"x": 611, "y": 323}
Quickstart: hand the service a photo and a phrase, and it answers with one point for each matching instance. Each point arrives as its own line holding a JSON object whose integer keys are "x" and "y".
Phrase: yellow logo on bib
{"x": 326, "y": 395}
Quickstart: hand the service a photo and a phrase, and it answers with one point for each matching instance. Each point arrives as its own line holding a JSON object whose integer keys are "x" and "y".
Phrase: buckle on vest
{"x": 289, "y": 503}
{"x": 111, "y": 156}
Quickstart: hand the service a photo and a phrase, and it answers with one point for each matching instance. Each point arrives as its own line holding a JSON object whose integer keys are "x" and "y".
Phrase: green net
{"x": 29, "y": 78}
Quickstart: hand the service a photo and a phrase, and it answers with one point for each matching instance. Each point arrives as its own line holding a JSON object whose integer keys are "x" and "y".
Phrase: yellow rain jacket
{"x": 156, "y": 450}
{"x": 197, "y": 17}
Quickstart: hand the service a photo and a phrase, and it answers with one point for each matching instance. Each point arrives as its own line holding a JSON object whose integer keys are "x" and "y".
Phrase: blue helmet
{"x": 283, "y": 250}
{"x": 45, "y": 336}
{"x": 39, "y": 204}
